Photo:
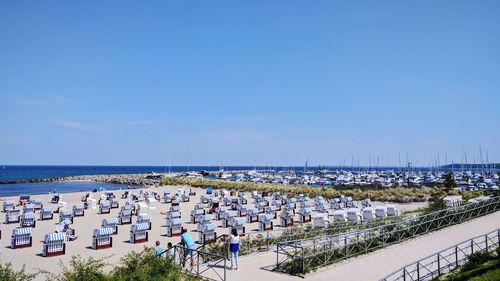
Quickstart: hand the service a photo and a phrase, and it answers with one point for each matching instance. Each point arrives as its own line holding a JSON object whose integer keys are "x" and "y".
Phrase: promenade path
{"x": 372, "y": 266}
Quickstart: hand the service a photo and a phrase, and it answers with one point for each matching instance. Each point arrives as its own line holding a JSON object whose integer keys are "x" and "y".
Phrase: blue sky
{"x": 238, "y": 82}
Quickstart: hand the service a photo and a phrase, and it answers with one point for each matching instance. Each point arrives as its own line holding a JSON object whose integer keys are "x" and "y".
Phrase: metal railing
{"x": 199, "y": 263}
{"x": 444, "y": 261}
{"x": 303, "y": 255}
{"x": 259, "y": 241}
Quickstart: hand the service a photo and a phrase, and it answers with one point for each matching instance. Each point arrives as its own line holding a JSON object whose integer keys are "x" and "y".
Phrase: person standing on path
{"x": 234, "y": 248}
{"x": 189, "y": 248}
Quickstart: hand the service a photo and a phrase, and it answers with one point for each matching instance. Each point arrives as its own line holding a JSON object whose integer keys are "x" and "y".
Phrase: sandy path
{"x": 375, "y": 265}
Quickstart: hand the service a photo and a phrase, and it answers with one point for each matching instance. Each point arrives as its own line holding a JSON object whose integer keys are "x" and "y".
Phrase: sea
{"x": 13, "y": 173}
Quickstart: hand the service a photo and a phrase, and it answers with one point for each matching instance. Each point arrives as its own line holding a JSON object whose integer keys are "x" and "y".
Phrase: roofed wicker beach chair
{"x": 65, "y": 215}
{"x": 21, "y": 238}
{"x": 111, "y": 223}
{"x": 139, "y": 233}
{"x": 46, "y": 213}
{"x": 12, "y": 216}
{"x": 54, "y": 244}
{"x": 144, "y": 218}
{"x": 9, "y": 205}
{"x": 101, "y": 239}
{"x": 104, "y": 207}
{"x": 28, "y": 220}
{"x": 79, "y": 210}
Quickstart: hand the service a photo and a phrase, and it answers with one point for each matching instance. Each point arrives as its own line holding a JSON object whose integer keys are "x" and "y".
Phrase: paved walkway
{"x": 372, "y": 266}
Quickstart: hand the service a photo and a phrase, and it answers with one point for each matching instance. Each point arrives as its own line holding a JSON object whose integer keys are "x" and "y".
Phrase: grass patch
{"x": 482, "y": 266}
{"x": 396, "y": 194}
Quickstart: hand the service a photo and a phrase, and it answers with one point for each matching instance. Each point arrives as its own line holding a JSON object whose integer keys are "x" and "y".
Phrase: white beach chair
{"x": 101, "y": 238}
{"x": 144, "y": 218}
{"x": 79, "y": 210}
{"x": 114, "y": 203}
{"x": 286, "y": 218}
{"x": 195, "y": 214}
{"x": 266, "y": 222}
{"x": 21, "y": 238}
{"x": 29, "y": 208}
{"x": 28, "y": 220}
{"x": 37, "y": 203}
{"x": 111, "y": 223}
{"x": 9, "y": 205}
{"x": 207, "y": 232}
{"x": 239, "y": 225}
{"x": 174, "y": 227}
{"x": 12, "y": 216}
{"x": 104, "y": 207}
{"x": 125, "y": 217}
{"x": 139, "y": 233}
{"x": 46, "y": 213}
{"x": 65, "y": 215}
{"x": 227, "y": 217}
{"x": 305, "y": 214}
{"x": 167, "y": 197}
{"x": 252, "y": 215}
{"x": 54, "y": 244}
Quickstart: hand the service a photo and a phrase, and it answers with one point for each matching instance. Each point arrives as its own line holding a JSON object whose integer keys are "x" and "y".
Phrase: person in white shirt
{"x": 234, "y": 248}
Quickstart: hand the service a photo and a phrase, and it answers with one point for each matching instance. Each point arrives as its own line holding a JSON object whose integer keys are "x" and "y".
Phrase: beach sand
{"x": 84, "y": 226}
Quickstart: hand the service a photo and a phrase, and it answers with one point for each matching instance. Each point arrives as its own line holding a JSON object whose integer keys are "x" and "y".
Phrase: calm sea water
{"x": 13, "y": 173}
{"x": 59, "y": 187}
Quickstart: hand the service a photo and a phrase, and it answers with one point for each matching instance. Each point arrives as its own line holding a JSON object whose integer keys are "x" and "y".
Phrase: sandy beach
{"x": 84, "y": 226}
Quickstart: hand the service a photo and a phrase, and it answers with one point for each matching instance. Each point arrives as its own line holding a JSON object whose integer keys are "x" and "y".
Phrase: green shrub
{"x": 80, "y": 270}
{"x": 145, "y": 266}
{"x": 7, "y": 273}
{"x": 476, "y": 259}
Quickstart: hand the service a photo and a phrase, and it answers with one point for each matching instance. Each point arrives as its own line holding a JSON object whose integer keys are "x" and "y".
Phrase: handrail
{"x": 324, "y": 250}
{"x": 407, "y": 220}
{"x": 203, "y": 264}
{"x": 451, "y": 263}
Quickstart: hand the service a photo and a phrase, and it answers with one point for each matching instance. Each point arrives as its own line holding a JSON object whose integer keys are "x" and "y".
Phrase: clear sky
{"x": 238, "y": 82}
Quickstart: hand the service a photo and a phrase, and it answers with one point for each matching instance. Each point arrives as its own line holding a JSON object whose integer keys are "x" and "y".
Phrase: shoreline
{"x": 123, "y": 179}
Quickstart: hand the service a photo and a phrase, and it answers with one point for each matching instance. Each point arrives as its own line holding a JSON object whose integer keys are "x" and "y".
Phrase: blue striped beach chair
{"x": 12, "y": 216}
{"x": 139, "y": 233}
{"x": 9, "y": 205}
{"x": 144, "y": 218}
{"x": 21, "y": 238}
{"x": 101, "y": 239}
{"x": 28, "y": 220}
{"x": 29, "y": 208}
{"x": 114, "y": 203}
{"x": 54, "y": 244}
{"x": 125, "y": 217}
{"x": 46, "y": 213}
{"x": 174, "y": 227}
{"x": 38, "y": 203}
{"x": 110, "y": 223}
{"x": 79, "y": 210}
{"x": 65, "y": 215}
{"x": 104, "y": 207}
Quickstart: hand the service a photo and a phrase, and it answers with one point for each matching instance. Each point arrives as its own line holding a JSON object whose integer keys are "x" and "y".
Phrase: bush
{"x": 145, "y": 266}
{"x": 476, "y": 259}
{"x": 7, "y": 273}
{"x": 80, "y": 269}
{"x": 142, "y": 266}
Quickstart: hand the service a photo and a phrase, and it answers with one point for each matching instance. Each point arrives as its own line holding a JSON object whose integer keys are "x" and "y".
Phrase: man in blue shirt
{"x": 189, "y": 248}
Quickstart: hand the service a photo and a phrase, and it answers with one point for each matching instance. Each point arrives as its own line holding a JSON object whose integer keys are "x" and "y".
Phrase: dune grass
{"x": 396, "y": 194}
